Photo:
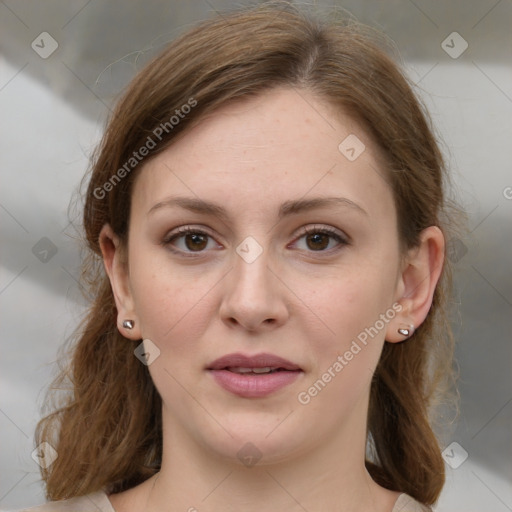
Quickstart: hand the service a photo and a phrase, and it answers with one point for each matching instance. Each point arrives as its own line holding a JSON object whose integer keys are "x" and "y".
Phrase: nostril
{"x": 250, "y": 326}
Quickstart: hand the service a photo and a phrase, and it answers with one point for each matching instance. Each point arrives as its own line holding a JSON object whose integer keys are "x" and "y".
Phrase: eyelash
{"x": 310, "y": 230}
{"x": 331, "y": 232}
{"x": 182, "y": 232}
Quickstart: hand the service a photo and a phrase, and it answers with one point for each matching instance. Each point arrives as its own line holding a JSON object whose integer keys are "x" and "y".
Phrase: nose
{"x": 254, "y": 297}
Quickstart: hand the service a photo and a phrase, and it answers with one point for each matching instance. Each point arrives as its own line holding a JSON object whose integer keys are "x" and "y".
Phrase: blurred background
{"x": 62, "y": 64}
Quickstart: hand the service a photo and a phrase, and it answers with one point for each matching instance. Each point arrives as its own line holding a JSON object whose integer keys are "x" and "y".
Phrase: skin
{"x": 302, "y": 304}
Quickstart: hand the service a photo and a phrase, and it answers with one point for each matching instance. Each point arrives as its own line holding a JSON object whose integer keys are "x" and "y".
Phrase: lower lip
{"x": 254, "y": 386}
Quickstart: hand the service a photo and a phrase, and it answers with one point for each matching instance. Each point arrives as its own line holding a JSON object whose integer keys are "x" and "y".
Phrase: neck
{"x": 327, "y": 477}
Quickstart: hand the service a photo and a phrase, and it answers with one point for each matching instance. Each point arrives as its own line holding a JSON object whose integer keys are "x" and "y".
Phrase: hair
{"x": 107, "y": 428}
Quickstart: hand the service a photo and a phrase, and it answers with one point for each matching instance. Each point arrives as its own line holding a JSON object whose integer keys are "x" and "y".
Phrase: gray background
{"x": 52, "y": 113}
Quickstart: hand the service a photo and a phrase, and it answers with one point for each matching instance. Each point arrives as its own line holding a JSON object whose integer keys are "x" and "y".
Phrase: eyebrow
{"x": 288, "y": 208}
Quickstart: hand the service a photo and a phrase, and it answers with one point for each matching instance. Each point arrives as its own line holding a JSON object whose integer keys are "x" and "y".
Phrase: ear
{"x": 116, "y": 266}
{"x": 415, "y": 289}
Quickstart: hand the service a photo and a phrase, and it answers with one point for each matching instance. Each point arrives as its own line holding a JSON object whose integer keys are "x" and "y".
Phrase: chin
{"x": 255, "y": 441}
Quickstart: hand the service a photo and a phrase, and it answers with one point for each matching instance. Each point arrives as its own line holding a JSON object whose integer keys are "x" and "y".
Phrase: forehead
{"x": 282, "y": 144}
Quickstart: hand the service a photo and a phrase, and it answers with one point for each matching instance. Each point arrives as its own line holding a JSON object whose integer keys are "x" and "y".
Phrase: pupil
{"x": 317, "y": 241}
{"x": 195, "y": 242}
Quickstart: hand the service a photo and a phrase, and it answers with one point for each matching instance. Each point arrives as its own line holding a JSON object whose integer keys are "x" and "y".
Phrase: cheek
{"x": 349, "y": 315}
{"x": 347, "y": 304}
{"x": 172, "y": 304}
{"x": 345, "y": 346}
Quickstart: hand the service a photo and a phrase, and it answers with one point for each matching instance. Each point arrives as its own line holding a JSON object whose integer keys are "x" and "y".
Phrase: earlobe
{"x": 406, "y": 330}
{"x": 398, "y": 331}
{"x": 419, "y": 278}
{"x": 116, "y": 269}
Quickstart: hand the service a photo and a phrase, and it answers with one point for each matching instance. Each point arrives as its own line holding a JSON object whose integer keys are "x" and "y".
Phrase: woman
{"x": 266, "y": 222}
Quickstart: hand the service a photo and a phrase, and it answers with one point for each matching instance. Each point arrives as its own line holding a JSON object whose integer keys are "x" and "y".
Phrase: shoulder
{"x": 406, "y": 503}
{"x": 94, "y": 502}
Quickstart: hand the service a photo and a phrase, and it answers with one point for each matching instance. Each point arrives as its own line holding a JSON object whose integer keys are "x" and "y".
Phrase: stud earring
{"x": 405, "y": 331}
{"x": 128, "y": 324}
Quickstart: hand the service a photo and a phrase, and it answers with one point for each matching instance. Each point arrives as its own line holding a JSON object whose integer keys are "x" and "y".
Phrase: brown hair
{"x": 107, "y": 432}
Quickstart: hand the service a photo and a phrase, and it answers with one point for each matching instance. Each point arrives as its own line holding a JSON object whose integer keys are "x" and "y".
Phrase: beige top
{"x": 99, "y": 502}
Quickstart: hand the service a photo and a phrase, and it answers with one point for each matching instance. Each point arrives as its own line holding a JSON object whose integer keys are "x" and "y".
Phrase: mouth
{"x": 255, "y": 371}
{"x": 259, "y": 363}
{"x": 253, "y": 376}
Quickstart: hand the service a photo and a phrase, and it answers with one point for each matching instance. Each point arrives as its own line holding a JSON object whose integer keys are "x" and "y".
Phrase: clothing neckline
{"x": 103, "y": 502}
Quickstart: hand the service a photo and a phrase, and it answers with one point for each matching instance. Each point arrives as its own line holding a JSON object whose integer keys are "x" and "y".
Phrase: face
{"x": 255, "y": 234}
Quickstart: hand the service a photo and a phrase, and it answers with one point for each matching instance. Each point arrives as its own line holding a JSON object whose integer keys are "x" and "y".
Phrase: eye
{"x": 320, "y": 239}
{"x": 190, "y": 240}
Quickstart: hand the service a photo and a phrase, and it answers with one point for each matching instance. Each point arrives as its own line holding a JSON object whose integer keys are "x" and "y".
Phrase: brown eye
{"x": 320, "y": 239}
{"x": 196, "y": 241}
{"x": 317, "y": 241}
{"x": 188, "y": 241}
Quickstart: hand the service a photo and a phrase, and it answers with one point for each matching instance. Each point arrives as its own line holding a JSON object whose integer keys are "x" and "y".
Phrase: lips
{"x": 253, "y": 376}
{"x": 252, "y": 362}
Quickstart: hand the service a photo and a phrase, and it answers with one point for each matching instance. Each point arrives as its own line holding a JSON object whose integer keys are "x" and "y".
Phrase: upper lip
{"x": 257, "y": 361}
